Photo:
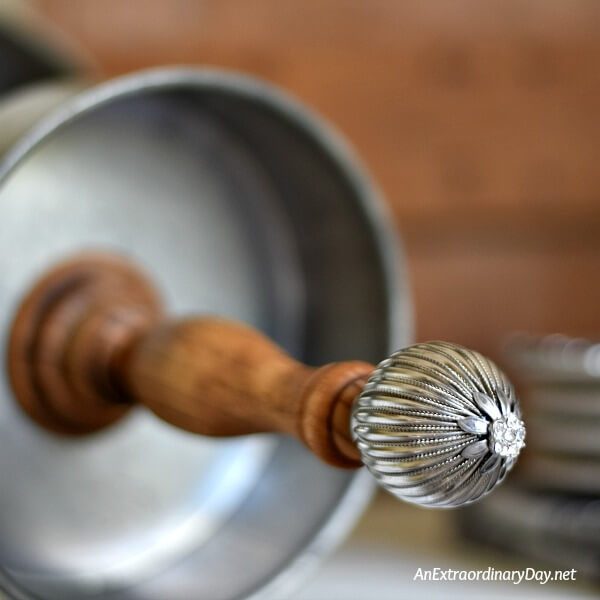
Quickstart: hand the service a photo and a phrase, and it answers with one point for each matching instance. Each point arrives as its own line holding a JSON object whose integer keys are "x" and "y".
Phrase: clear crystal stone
{"x": 507, "y": 436}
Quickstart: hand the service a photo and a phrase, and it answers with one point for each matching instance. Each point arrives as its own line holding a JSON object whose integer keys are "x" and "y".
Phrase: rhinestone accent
{"x": 507, "y": 436}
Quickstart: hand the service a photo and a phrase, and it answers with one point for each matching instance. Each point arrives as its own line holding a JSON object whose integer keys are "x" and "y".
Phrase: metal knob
{"x": 438, "y": 425}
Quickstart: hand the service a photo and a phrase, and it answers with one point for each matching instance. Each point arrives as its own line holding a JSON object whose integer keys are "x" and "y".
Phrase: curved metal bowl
{"x": 238, "y": 202}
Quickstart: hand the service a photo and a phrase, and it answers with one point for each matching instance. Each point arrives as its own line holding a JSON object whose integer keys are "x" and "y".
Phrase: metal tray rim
{"x": 361, "y": 486}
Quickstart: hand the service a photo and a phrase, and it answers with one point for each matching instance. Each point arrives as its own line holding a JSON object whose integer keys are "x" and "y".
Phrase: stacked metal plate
{"x": 551, "y": 508}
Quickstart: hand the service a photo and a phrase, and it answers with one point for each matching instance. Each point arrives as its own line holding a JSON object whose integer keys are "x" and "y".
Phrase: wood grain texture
{"x": 63, "y": 338}
{"x": 220, "y": 378}
{"x": 481, "y": 122}
{"x": 90, "y": 340}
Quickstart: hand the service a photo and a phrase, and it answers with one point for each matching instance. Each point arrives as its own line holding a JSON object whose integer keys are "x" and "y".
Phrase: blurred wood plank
{"x": 480, "y": 121}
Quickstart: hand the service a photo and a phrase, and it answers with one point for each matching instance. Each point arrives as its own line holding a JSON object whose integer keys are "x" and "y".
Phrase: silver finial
{"x": 438, "y": 425}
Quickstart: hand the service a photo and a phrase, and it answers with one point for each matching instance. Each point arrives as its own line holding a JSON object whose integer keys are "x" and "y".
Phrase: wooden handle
{"x": 90, "y": 340}
{"x": 219, "y": 378}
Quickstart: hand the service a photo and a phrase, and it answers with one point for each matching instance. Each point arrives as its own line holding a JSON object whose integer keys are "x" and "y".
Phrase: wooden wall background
{"x": 480, "y": 121}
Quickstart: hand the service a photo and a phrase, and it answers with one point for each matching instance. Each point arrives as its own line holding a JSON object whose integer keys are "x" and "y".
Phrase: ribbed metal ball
{"x": 438, "y": 425}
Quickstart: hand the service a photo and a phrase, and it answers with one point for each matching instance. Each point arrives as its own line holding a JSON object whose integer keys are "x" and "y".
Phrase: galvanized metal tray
{"x": 238, "y": 202}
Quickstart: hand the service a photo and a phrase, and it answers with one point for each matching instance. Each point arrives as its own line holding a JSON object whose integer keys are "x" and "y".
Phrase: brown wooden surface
{"x": 220, "y": 378}
{"x": 63, "y": 338}
{"x": 480, "y": 121}
{"x": 90, "y": 339}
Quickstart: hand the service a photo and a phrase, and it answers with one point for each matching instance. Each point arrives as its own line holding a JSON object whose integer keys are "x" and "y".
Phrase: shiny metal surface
{"x": 558, "y": 530}
{"x": 438, "y": 425}
{"x": 238, "y": 203}
{"x": 561, "y": 376}
{"x": 555, "y": 358}
{"x": 550, "y": 509}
